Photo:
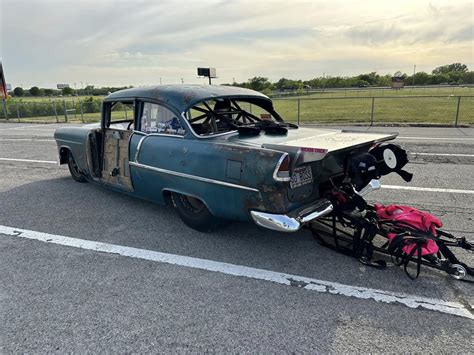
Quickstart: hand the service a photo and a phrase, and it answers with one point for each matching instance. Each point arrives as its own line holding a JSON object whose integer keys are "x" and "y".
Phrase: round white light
{"x": 390, "y": 158}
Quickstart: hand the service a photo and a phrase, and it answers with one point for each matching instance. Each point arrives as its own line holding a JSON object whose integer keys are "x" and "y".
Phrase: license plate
{"x": 301, "y": 176}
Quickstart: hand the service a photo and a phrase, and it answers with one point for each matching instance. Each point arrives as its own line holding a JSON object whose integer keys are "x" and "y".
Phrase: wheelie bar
{"x": 359, "y": 243}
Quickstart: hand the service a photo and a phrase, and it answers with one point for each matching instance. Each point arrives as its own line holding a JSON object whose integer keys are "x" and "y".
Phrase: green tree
{"x": 450, "y": 68}
{"x": 259, "y": 83}
{"x": 421, "y": 78}
{"x": 288, "y": 84}
{"x": 67, "y": 91}
{"x": 468, "y": 77}
{"x": 18, "y": 91}
{"x": 34, "y": 91}
{"x": 48, "y": 92}
{"x": 370, "y": 79}
{"x": 440, "y": 79}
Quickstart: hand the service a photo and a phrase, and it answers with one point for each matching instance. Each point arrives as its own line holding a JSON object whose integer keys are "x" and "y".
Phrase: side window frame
{"x": 106, "y": 119}
{"x": 140, "y": 110}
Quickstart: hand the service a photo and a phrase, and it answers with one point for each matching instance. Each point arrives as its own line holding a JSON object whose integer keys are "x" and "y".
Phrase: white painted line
{"x": 30, "y": 160}
{"x": 23, "y": 127}
{"x": 427, "y": 189}
{"x": 436, "y": 138}
{"x": 335, "y": 288}
{"x": 26, "y": 140}
{"x": 444, "y": 154}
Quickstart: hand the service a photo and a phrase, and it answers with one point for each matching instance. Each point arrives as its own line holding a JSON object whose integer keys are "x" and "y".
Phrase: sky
{"x": 112, "y": 43}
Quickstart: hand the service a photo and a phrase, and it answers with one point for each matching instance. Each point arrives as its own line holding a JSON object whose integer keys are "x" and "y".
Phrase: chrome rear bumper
{"x": 290, "y": 222}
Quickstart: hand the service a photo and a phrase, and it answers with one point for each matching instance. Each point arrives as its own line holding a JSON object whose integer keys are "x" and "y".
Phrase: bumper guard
{"x": 293, "y": 221}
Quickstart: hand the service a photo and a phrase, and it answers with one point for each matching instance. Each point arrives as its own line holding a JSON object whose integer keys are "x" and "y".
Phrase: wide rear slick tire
{"x": 194, "y": 213}
{"x": 74, "y": 169}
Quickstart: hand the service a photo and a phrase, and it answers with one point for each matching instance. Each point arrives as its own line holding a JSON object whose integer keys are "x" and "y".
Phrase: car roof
{"x": 182, "y": 97}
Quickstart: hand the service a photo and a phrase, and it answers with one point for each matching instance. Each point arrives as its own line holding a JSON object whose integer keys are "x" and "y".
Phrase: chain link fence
{"x": 370, "y": 110}
{"x": 438, "y": 110}
{"x": 60, "y": 111}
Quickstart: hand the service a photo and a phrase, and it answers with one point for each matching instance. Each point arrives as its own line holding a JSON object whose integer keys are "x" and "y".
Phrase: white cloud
{"x": 137, "y": 42}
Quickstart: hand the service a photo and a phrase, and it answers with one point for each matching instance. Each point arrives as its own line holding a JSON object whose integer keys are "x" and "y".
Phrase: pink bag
{"x": 406, "y": 216}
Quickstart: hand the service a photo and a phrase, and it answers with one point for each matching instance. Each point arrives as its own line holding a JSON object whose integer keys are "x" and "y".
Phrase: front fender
{"x": 74, "y": 140}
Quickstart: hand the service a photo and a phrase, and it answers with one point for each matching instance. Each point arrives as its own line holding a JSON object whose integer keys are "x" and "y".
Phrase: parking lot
{"x": 131, "y": 277}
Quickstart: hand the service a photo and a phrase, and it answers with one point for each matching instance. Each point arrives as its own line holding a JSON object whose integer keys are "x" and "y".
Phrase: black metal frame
{"x": 365, "y": 228}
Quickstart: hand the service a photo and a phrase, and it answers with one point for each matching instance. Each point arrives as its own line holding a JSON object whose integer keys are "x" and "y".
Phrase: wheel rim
{"x": 460, "y": 272}
{"x": 73, "y": 166}
{"x": 192, "y": 203}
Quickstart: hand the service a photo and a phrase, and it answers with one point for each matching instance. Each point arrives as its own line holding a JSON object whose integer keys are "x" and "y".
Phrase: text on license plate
{"x": 301, "y": 176}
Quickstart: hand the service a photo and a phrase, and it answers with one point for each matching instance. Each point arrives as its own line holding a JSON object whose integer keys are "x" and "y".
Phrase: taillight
{"x": 282, "y": 169}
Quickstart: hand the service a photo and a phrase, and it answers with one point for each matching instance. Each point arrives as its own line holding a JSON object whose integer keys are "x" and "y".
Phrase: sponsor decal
{"x": 314, "y": 150}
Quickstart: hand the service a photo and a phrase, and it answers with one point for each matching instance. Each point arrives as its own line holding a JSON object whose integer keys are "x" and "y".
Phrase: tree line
{"x": 455, "y": 73}
{"x": 89, "y": 90}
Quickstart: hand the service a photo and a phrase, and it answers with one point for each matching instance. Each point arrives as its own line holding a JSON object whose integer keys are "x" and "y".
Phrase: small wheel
{"x": 74, "y": 169}
{"x": 194, "y": 213}
{"x": 460, "y": 271}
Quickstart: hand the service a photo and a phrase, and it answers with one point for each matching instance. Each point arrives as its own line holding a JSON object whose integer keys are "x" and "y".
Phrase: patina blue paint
{"x": 230, "y": 173}
{"x": 182, "y": 97}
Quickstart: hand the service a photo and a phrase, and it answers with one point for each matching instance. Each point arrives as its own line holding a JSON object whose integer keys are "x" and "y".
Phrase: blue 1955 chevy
{"x": 216, "y": 153}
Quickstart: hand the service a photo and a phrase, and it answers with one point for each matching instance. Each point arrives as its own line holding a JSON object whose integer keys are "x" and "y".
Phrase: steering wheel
{"x": 130, "y": 125}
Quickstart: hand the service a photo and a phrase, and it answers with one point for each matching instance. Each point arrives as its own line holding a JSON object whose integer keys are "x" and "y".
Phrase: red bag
{"x": 406, "y": 216}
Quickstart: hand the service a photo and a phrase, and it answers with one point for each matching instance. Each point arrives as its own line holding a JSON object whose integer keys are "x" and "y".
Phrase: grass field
{"x": 409, "y": 105}
{"x": 377, "y": 92}
{"x": 432, "y": 110}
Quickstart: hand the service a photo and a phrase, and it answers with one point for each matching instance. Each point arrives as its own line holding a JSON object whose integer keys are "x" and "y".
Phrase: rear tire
{"x": 74, "y": 169}
{"x": 194, "y": 213}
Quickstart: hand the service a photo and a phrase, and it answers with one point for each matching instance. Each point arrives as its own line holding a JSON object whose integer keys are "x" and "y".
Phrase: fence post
{"x": 298, "y": 119}
{"x": 65, "y": 110}
{"x": 457, "y": 112}
{"x": 18, "y": 111}
{"x": 372, "y": 112}
{"x": 126, "y": 115}
{"x": 55, "y": 111}
{"x": 82, "y": 113}
{"x": 5, "y": 112}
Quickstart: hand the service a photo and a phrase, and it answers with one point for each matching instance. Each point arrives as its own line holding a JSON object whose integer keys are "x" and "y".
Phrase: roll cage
{"x": 228, "y": 115}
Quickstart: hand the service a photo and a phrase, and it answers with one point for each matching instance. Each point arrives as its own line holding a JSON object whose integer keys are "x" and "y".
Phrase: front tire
{"x": 194, "y": 213}
{"x": 74, "y": 169}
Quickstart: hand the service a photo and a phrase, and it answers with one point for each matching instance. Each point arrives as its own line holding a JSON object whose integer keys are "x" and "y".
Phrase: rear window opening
{"x": 222, "y": 115}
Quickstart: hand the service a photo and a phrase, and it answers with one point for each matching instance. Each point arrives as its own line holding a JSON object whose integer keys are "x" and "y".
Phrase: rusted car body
{"x": 215, "y": 152}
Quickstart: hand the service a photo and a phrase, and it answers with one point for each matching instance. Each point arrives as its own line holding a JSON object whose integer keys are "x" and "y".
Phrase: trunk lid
{"x": 313, "y": 144}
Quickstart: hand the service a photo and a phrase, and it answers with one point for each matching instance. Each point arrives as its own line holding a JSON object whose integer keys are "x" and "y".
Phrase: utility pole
{"x": 414, "y": 70}
{"x": 160, "y": 82}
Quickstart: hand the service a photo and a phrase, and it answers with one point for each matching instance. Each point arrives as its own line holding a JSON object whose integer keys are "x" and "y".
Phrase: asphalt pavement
{"x": 71, "y": 298}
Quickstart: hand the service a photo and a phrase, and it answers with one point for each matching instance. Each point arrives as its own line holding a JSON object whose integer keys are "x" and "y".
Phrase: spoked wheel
{"x": 194, "y": 213}
{"x": 74, "y": 169}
